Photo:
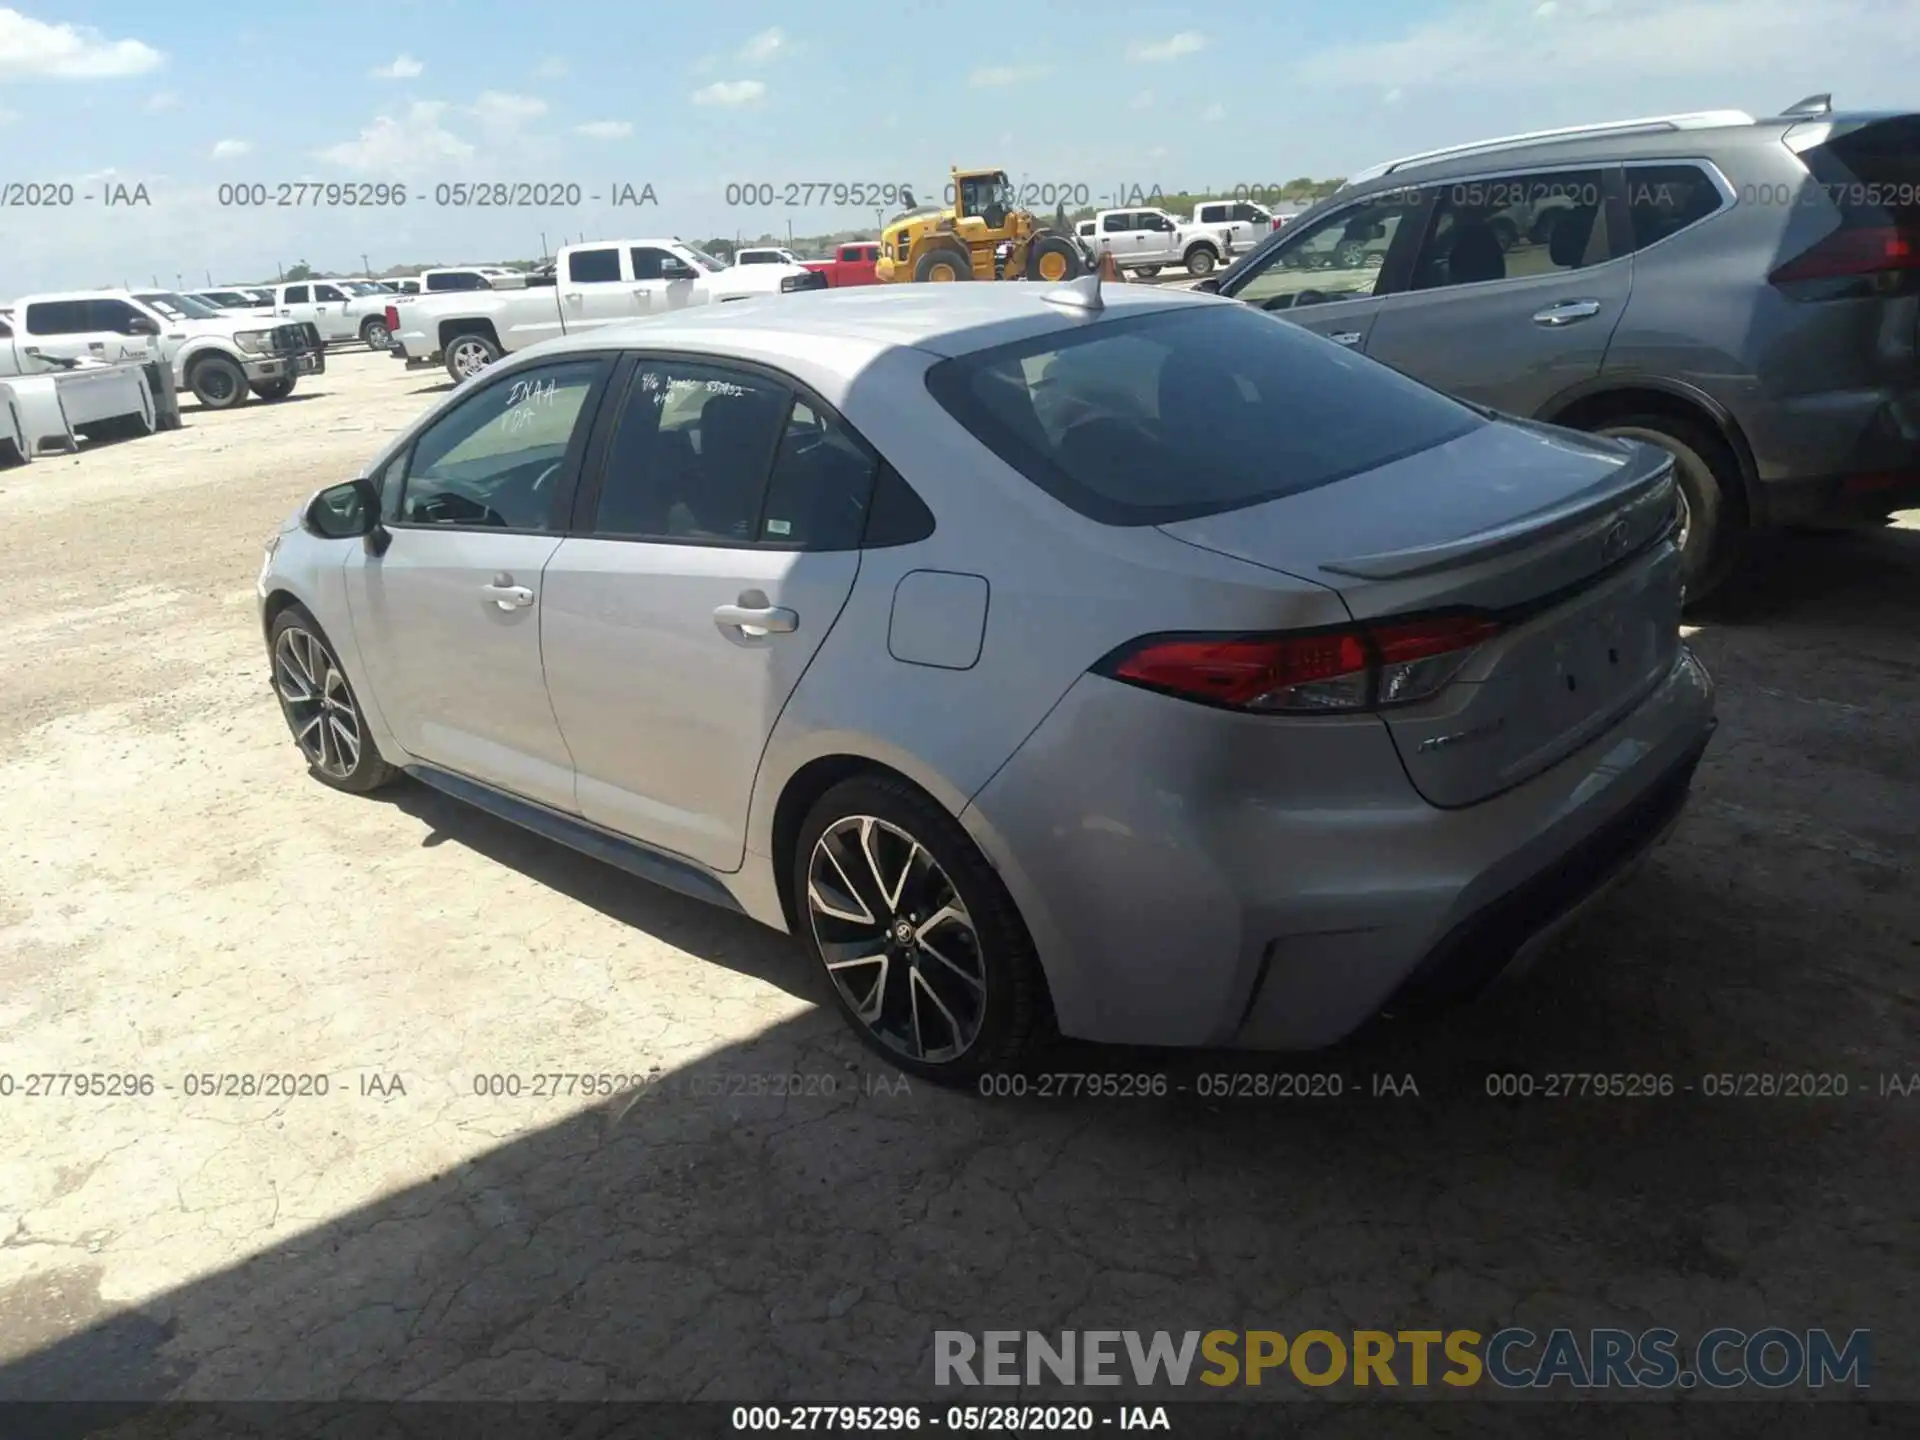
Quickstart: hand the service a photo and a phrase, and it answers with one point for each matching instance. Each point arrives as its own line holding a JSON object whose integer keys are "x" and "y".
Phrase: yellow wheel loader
{"x": 982, "y": 236}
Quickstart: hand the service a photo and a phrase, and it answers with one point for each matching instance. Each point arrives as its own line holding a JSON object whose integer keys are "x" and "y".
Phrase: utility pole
{"x": 366, "y": 265}
{"x": 209, "y": 279}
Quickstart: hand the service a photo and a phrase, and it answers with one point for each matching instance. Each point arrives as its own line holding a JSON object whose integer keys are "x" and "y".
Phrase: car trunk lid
{"x": 1566, "y": 539}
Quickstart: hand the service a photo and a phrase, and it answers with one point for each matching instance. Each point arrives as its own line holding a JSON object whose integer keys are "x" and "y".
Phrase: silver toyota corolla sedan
{"x": 1133, "y": 663}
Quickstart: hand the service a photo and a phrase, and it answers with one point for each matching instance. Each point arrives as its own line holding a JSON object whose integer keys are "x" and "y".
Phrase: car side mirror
{"x": 142, "y": 325}
{"x": 345, "y": 512}
{"x": 1208, "y": 286}
{"x": 676, "y": 270}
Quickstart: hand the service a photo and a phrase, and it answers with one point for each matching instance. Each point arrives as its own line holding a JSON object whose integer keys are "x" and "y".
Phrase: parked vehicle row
{"x": 594, "y": 285}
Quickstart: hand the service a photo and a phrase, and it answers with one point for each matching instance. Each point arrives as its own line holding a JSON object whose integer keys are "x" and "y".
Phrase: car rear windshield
{"x": 1163, "y": 417}
{"x": 1872, "y": 172}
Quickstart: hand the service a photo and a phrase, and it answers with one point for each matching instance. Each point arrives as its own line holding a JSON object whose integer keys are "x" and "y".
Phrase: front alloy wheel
{"x": 320, "y": 708}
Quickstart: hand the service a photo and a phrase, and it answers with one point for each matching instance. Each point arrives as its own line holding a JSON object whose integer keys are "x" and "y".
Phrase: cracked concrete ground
{"x": 177, "y": 898}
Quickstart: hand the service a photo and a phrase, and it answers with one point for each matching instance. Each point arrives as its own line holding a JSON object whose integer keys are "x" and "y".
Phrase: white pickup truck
{"x": 595, "y": 284}
{"x": 1146, "y": 240}
{"x": 220, "y": 357}
{"x": 47, "y": 402}
{"x": 341, "y": 310}
{"x": 766, "y": 255}
{"x": 1246, "y": 222}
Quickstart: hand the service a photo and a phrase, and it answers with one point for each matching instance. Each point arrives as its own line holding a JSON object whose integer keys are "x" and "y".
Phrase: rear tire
{"x": 943, "y": 265}
{"x": 274, "y": 389}
{"x": 1200, "y": 260}
{"x": 887, "y": 883}
{"x": 1709, "y": 476}
{"x": 217, "y": 382}
{"x": 374, "y": 335}
{"x": 1147, "y": 271}
{"x": 320, "y": 708}
{"x": 468, "y": 355}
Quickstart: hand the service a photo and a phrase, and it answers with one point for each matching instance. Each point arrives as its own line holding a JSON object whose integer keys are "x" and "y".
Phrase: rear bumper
{"x": 1195, "y": 877}
{"x": 1835, "y": 457}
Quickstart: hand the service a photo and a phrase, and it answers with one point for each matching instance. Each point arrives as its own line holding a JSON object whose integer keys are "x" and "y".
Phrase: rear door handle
{"x": 760, "y": 619}
{"x": 1346, "y": 337}
{"x": 507, "y": 595}
{"x": 1566, "y": 312}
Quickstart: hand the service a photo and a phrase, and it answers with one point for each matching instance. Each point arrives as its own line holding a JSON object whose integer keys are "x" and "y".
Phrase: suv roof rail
{"x": 1821, "y": 104}
{"x": 1649, "y": 125}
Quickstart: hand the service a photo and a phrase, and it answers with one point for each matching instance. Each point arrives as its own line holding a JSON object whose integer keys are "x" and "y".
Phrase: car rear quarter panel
{"x": 1062, "y": 592}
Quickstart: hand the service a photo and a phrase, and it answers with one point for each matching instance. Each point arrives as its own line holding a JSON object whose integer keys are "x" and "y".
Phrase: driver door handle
{"x": 1346, "y": 337}
{"x": 507, "y": 595}
{"x": 1566, "y": 312}
{"x": 754, "y": 616}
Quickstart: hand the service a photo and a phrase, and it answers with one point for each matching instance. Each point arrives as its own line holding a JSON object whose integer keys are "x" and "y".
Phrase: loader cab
{"x": 983, "y": 195}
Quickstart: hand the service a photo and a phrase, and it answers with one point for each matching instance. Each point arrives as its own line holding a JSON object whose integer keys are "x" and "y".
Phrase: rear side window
{"x": 1168, "y": 416}
{"x": 58, "y": 317}
{"x": 296, "y": 295}
{"x": 593, "y": 267}
{"x": 1663, "y": 200}
{"x": 1872, "y": 173}
{"x": 458, "y": 280}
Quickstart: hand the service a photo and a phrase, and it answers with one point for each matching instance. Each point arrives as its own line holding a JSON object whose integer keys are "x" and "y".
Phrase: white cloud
{"x": 231, "y": 149}
{"x": 68, "y": 52}
{"x": 500, "y": 110}
{"x": 389, "y": 146}
{"x": 1607, "y": 45}
{"x": 401, "y": 67}
{"x": 1173, "y": 47}
{"x": 993, "y": 75}
{"x": 767, "y": 46}
{"x": 551, "y": 68}
{"x": 1215, "y": 113}
{"x": 163, "y": 100}
{"x": 1393, "y": 96}
{"x": 605, "y": 129}
{"x": 729, "y": 92}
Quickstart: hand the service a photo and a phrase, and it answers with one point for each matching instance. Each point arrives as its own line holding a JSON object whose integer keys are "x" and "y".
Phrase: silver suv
{"x": 1743, "y": 292}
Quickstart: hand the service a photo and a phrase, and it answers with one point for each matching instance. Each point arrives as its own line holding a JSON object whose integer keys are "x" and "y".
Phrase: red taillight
{"x": 393, "y": 319}
{"x": 1360, "y": 668}
{"x": 1875, "y": 250}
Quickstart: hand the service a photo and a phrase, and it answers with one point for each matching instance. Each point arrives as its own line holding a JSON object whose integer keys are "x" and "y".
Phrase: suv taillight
{"x": 1849, "y": 252}
{"x": 1353, "y": 668}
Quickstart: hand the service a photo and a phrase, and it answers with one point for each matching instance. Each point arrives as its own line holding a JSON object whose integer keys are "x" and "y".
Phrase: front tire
{"x": 374, "y": 335}
{"x": 468, "y": 355}
{"x": 921, "y": 945}
{"x": 320, "y": 708}
{"x": 1715, "y": 533}
{"x": 1200, "y": 260}
{"x": 943, "y": 266}
{"x": 217, "y": 382}
{"x": 274, "y": 389}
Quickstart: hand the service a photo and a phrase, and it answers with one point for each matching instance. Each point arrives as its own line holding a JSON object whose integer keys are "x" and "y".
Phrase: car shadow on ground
{"x": 194, "y": 407}
{"x": 703, "y": 1236}
{"x": 1865, "y": 579}
{"x": 439, "y": 389}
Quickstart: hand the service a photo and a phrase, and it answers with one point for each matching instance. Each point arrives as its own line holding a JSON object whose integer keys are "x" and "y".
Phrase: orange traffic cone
{"x": 1110, "y": 270}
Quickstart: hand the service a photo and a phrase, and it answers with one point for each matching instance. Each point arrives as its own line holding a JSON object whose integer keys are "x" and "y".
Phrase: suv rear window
{"x": 1872, "y": 173}
{"x": 1164, "y": 417}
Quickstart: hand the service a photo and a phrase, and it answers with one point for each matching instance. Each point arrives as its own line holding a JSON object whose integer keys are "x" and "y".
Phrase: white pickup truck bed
{"x": 52, "y": 410}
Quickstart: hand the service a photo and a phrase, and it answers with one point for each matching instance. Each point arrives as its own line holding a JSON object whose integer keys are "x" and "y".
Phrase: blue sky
{"x": 690, "y": 98}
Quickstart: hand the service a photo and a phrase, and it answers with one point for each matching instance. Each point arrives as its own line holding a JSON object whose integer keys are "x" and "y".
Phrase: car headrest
{"x": 1475, "y": 255}
{"x": 1572, "y": 231}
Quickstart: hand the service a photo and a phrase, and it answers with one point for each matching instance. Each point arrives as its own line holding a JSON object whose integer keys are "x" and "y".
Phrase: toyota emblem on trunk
{"x": 1613, "y": 544}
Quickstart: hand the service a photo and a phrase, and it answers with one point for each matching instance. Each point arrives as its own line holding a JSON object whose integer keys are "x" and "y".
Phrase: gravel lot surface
{"x": 177, "y": 898}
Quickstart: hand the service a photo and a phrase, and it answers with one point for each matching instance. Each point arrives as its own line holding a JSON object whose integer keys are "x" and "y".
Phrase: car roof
{"x": 944, "y": 320}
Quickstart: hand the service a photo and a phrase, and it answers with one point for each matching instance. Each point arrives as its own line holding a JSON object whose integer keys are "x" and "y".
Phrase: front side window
{"x": 1191, "y": 412}
{"x": 327, "y": 292}
{"x": 593, "y": 267}
{"x": 1338, "y": 257}
{"x": 690, "y": 454}
{"x": 114, "y": 315}
{"x": 1510, "y": 228}
{"x": 493, "y": 460}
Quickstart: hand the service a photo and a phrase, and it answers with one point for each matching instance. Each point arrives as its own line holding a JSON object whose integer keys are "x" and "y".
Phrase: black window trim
{"x": 586, "y": 500}
{"x": 1729, "y": 199}
{"x": 563, "y": 495}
